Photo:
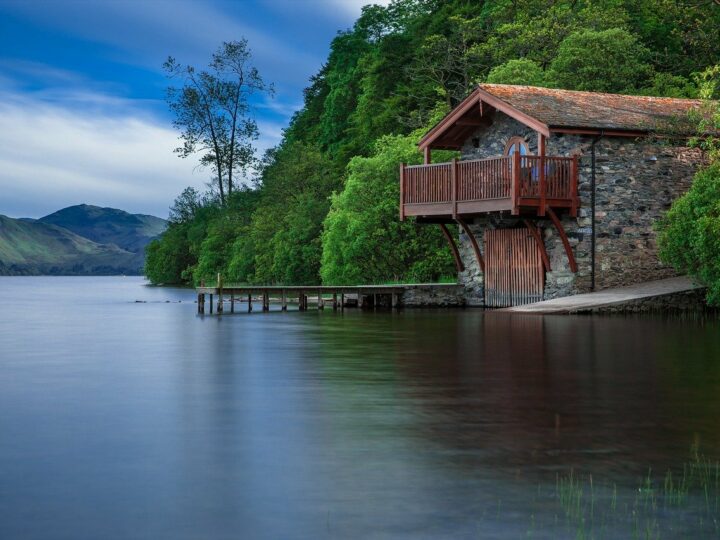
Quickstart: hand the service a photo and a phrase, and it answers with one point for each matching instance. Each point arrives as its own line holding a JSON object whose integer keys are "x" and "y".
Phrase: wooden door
{"x": 514, "y": 272}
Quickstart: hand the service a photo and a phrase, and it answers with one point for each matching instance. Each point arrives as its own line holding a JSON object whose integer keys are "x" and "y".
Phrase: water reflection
{"x": 144, "y": 420}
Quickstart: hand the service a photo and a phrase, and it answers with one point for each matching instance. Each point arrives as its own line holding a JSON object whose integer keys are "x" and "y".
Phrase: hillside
{"x": 79, "y": 240}
{"x": 130, "y": 232}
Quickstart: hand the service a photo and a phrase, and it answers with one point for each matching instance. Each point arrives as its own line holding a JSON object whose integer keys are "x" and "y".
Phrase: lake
{"x": 124, "y": 414}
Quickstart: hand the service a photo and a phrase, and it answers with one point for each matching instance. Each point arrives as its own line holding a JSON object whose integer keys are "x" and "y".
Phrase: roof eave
{"x": 475, "y": 97}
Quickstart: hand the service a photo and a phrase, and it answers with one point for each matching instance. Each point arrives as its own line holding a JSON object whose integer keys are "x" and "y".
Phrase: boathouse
{"x": 556, "y": 192}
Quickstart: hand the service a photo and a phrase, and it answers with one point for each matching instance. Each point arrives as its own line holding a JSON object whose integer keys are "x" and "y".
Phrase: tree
{"x": 522, "y": 71}
{"x": 605, "y": 61}
{"x": 212, "y": 111}
{"x": 363, "y": 241}
{"x": 689, "y": 234}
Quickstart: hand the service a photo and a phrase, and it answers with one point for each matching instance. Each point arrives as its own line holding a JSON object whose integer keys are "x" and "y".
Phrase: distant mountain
{"x": 131, "y": 232}
{"x": 79, "y": 240}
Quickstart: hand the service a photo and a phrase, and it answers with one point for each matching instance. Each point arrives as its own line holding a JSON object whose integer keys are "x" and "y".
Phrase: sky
{"x": 82, "y": 111}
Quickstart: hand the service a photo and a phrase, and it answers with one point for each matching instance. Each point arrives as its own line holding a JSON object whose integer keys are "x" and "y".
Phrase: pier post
{"x": 232, "y": 302}
{"x": 321, "y": 302}
{"x": 395, "y": 300}
{"x": 284, "y": 301}
{"x": 342, "y": 301}
{"x": 249, "y": 301}
{"x": 266, "y": 301}
{"x": 211, "y": 303}
{"x": 220, "y": 294}
{"x": 334, "y": 301}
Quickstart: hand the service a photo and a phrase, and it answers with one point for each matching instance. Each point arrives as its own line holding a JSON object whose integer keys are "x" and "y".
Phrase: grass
{"x": 690, "y": 494}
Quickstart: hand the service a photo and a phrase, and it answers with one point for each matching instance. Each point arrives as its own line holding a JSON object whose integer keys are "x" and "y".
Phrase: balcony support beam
{"x": 473, "y": 242}
{"x": 453, "y": 247}
{"x": 564, "y": 238}
{"x": 541, "y": 245}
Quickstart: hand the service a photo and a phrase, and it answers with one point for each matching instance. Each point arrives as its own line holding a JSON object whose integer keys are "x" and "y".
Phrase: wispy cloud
{"x": 53, "y": 156}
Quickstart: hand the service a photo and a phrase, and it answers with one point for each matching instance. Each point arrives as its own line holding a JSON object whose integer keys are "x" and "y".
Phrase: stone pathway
{"x": 607, "y": 297}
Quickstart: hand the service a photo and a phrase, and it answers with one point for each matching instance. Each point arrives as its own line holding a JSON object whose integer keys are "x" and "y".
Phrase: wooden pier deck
{"x": 583, "y": 303}
{"x": 337, "y": 297}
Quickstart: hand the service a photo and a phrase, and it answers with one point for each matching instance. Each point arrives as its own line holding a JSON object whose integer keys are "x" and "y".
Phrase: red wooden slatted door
{"x": 514, "y": 272}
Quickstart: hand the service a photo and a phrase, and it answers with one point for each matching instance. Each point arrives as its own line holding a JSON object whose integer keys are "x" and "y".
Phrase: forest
{"x": 322, "y": 206}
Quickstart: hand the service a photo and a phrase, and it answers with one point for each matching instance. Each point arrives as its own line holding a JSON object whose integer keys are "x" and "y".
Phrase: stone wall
{"x": 682, "y": 302}
{"x": 636, "y": 181}
{"x": 433, "y": 295}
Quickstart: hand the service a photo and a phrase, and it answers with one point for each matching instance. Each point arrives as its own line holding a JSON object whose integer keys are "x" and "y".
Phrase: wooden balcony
{"x": 518, "y": 184}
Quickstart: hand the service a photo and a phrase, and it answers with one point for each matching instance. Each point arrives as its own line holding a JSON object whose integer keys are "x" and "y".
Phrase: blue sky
{"x": 82, "y": 111}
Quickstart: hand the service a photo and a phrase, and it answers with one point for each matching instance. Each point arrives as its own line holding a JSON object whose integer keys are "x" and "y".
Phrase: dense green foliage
{"x": 325, "y": 203}
{"x": 690, "y": 232}
{"x": 363, "y": 239}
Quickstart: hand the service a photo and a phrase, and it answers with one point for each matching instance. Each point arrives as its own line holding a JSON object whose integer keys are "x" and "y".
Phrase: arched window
{"x": 516, "y": 144}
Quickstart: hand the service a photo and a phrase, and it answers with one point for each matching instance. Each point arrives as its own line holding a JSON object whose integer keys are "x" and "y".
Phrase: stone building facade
{"x": 636, "y": 181}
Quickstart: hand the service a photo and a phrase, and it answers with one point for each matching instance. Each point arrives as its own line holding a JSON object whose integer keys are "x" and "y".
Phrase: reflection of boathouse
{"x": 556, "y": 191}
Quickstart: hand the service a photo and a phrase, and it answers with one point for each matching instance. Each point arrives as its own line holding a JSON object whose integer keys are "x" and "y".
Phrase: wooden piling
{"x": 220, "y": 294}
{"x": 211, "y": 303}
{"x": 249, "y": 301}
{"x": 232, "y": 302}
{"x": 320, "y": 301}
{"x": 284, "y": 301}
{"x": 334, "y": 301}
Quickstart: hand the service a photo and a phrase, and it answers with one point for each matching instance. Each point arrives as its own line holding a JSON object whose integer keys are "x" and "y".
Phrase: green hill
{"x": 131, "y": 232}
{"x": 79, "y": 240}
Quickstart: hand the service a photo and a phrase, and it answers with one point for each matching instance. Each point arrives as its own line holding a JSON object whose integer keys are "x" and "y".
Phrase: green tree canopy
{"x": 601, "y": 61}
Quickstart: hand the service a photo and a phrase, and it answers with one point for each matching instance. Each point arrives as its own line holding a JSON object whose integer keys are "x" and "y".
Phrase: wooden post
{"x": 516, "y": 184}
{"x": 574, "y": 187}
{"x": 301, "y": 297}
{"x": 541, "y": 173}
{"x": 201, "y": 299}
{"x": 453, "y": 186}
{"x": 334, "y": 301}
{"x": 427, "y": 155}
{"x": 321, "y": 301}
{"x": 284, "y": 301}
{"x": 265, "y": 301}
{"x": 342, "y": 301}
{"x": 249, "y": 301}
{"x": 395, "y": 302}
{"x": 402, "y": 192}
{"x": 211, "y": 303}
{"x": 220, "y": 294}
{"x": 375, "y": 303}
{"x": 232, "y": 302}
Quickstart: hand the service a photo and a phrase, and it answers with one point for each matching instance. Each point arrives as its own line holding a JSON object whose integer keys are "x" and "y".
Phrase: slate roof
{"x": 548, "y": 110}
{"x": 594, "y": 110}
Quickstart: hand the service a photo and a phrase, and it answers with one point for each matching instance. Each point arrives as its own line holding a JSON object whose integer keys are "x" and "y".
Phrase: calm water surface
{"x": 122, "y": 419}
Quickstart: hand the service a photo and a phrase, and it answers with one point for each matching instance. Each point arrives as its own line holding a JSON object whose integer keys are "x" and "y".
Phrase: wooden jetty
{"x": 336, "y": 297}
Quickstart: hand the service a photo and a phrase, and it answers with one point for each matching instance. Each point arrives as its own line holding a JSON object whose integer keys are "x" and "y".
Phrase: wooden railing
{"x": 428, "y": 183}
{"x": 522, "y": 180}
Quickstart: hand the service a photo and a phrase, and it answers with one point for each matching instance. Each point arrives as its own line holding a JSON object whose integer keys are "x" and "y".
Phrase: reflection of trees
{"x": 540, "y": 391}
